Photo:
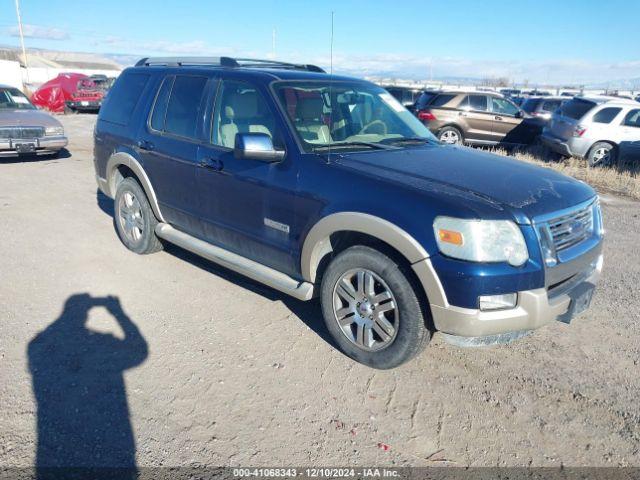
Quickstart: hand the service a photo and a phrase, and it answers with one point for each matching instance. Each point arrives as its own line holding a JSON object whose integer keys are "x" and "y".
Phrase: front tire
{"x": 371, "y": 309}
{"x": 134, "y": 218}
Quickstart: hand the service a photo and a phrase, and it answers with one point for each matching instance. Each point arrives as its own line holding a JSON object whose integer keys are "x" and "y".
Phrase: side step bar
{"x": 237, "y": 263}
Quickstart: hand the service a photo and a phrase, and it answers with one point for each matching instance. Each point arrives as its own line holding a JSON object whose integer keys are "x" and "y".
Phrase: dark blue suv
{"x": 325, "y": 186}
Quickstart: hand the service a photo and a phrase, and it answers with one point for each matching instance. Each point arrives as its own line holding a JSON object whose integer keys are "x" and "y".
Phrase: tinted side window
{"x": 577, "y": 108}
{"x": 184, "y": 105}
{"x": 476, "y": 102}
{"x": 503, "y": 106}
{"x": 632, "y": 119}
{"x": 606, "y": 115}
{"x": 123, "y": 98}
{"x": 160, "y": 106}
{"x": 440, "y": 100}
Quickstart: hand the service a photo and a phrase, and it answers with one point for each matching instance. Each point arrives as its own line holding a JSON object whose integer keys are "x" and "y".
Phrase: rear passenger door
{"x": 168, "y": 144}
{"x": 477, "y": 120}
{"x": 247, "y": 206}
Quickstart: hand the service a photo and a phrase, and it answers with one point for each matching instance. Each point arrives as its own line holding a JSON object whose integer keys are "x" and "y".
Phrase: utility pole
{"x": 24, "y": 51}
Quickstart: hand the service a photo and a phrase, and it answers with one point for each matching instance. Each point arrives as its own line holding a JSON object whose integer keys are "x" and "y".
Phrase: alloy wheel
{"x": 450, "y": 137}
{"x": 365, "y": 309}
{"x": 130, "y": 216}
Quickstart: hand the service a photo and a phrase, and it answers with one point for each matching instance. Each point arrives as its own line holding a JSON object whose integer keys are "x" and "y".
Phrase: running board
{"x": 237, "y": 263}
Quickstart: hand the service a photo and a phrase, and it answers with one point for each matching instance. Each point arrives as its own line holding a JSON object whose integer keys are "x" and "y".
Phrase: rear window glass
{"x": 530, "y": 105}
{"x": 123, "y": 98}
{"x": 606, "y": 115}
{"x": 551, "y": 105}
{"x": 440, "y": 100}
{"x": 184, "y": 106}
{"x": 577, "y": 108}
{"x": 424, "y": 99}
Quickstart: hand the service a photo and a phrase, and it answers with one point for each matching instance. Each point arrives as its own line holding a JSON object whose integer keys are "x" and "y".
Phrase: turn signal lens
{"x": 450, "y": 236}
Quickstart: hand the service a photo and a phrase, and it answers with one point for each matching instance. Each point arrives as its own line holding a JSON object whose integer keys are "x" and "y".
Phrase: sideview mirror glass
{"x": 256, "y": 146}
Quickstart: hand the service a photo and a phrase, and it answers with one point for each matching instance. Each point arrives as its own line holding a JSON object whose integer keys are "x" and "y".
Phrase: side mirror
{"x": 520, "y": 114}
{"x": 256, "y": 146}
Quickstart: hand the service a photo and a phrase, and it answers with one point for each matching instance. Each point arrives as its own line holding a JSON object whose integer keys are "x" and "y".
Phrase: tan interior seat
{"x": 309, "y": 121}
{"x": 243, "y": 114}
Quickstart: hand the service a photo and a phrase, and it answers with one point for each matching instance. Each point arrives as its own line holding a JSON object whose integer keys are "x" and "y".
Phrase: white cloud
{"x": 39, "y": 31}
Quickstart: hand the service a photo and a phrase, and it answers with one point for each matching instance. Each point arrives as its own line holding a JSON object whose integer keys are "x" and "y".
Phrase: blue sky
{"x": 558, "y": 41}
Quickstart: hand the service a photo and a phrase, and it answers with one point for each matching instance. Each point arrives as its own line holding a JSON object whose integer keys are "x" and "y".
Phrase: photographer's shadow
{"x": 77, "y": 373}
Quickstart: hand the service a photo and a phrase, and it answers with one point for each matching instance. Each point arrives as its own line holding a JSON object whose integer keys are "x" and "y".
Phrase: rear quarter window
{"x": 123, "y": 98}
{"x": 442, "y": 99}
{"x": 606, "y": 115}
{"x": 576, "y": 108}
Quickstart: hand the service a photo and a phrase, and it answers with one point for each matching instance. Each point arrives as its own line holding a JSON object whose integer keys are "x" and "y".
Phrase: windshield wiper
{"x": 407, "y": 140}
{"x": 373, "y": 145}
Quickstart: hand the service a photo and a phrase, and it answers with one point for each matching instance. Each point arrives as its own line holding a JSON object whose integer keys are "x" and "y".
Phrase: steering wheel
{"x": 372, "y": 124}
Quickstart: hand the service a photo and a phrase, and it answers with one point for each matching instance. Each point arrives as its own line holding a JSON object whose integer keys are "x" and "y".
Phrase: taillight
{"x": 579, "y": 130}
{"x": 426, "y": 115}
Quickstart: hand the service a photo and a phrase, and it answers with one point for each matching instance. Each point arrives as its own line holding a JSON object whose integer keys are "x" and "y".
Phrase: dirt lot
{"x": 238, "y": 374}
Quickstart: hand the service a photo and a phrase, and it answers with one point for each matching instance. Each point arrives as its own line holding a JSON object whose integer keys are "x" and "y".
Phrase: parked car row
{"x": 594, "y": 128}
{"x": 601, "y": 129}
{"x": 476, "y": 118}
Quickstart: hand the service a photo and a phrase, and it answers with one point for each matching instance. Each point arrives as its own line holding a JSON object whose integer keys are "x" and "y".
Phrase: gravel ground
{"x": 218, "y": 370}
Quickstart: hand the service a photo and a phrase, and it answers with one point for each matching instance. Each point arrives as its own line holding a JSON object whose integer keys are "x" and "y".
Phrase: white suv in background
{"x": 593, "y": 128}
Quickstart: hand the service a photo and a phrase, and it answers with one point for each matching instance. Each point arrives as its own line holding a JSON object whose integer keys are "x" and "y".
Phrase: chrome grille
{"x": 21, "y": 132}
{"x": 571, "y": 229}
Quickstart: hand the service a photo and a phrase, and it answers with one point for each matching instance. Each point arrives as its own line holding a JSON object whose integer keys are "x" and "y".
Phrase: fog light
{"x": 498, "y": 302}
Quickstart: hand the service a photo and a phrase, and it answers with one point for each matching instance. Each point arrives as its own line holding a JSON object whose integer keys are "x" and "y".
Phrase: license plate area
{"x": 25, "y": 147}
{"x": 580, "y": 301}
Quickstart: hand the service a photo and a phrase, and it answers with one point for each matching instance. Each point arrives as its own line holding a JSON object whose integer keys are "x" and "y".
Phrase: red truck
{"x": 89, "y": 94}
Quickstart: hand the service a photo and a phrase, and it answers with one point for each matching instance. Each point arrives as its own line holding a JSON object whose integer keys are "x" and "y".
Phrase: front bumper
{"x": 43, "y": 146}
{"x": 84, "y": 104}
{"x": 534, "y": 309}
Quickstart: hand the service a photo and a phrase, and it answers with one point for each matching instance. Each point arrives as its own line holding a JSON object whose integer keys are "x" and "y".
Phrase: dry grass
{"x": 622, "y": 179}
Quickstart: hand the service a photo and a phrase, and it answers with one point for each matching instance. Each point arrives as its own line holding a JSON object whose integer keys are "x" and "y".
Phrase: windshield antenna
{"x": 330, "y": 89}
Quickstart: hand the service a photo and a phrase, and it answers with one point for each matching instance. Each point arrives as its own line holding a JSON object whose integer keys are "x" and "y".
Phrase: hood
{"x": 521, "y": 188}
{"x": 27, "y": 118}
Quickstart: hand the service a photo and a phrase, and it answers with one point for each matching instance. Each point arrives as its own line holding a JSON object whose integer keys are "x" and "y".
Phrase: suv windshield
{"x": 348, "y": 115}
{"x": 14, "y": 99}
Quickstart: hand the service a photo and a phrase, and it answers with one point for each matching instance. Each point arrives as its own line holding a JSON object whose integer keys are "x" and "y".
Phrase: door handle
{"x": 145, "y": 145}
{"x": 212, "y": 163}
{"x": 498, "y": 118}
{"x": 463, "y": 114}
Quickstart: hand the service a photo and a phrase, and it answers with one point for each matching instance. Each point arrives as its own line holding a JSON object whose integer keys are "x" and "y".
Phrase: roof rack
{"x": 224, "y": 62}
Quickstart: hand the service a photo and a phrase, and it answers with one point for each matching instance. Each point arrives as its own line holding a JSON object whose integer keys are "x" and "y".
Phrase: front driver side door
{"x": 505, "y": 120}
{"x": 247, "y": 206}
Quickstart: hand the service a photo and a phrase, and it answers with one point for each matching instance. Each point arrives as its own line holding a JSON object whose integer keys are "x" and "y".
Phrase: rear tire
{"x": 134, "y": 218}
{"x": 450, "y": 136}
{"x": 601, "y": 154}
{"x": 371, "y": 309}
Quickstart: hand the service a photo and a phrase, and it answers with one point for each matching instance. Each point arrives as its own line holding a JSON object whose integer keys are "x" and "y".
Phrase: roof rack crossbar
{"x": 224, "y": 62}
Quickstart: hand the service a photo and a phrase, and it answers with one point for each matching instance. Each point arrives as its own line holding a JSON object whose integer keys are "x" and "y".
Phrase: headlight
{"x": 53, "y": 131}
{"x": 481, "y": 240}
